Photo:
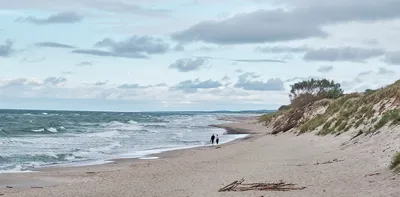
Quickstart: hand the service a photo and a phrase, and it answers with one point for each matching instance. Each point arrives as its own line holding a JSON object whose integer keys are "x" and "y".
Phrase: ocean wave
{"x": 38, "y": 130}
{"x": 105, "y": 134}
{"x": 52, "y": 129}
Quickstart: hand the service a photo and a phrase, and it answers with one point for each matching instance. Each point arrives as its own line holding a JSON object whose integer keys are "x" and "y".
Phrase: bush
{"x": 394, "y": 165}
{"x": 304, "y": 100}
{"x": 284, "y": 107}
{"x": 391, "y": 115}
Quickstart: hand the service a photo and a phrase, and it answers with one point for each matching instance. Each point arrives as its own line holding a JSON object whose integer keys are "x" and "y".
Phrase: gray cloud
{"x": 342, "y": 54}
{"x": 239, "y": 70}
{"x": 108, "y": 54}
{"x": 27, "y": 83}
{"x": 281, "y": 25}
{"x": 392, "y": 58}
{"x": 282, "y": 49}
{"x": 179, "y": 48}
{"x": 85, "y": 64}
{"x": 135, "y": 44}
{"x": 187, "y": 64}
{"x": 325, "y": 69}
{"x": 55, "y": 81}
{"x": 248, "y": 81}
{"x": 53, "y": 45}
{"x": 130, "y": 86}
{"x": 192, "y": 86}
{"x": 131, "y": 8}
{"x": 245, "y": 60}
{"x": 59, "y": 18}
{"x": 364, "y": 73}
{"x": 122, "y": 6}
{"x": 68, "y": 73}
{"x": 385, "y": 71}
{"x": 101, "y": 83}
{"x": 33, "y": 60}
{"x": 138, "y": 86}
{"x": 133, "y": 47}
{"x": 6, "y": 49}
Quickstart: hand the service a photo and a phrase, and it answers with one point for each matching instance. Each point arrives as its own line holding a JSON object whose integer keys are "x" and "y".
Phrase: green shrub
{"x": 391, "y": 115}
{"x": 312, "y": 123}
{"x": 394, "y": 165}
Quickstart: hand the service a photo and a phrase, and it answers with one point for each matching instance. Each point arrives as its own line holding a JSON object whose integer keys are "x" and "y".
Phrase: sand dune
{"x": 326, "y": 166}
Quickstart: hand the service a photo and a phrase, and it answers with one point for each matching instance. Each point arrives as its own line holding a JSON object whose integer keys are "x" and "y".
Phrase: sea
{"x": 32, "y": 139}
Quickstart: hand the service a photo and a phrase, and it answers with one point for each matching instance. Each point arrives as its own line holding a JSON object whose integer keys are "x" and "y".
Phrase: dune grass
{"x": 394, "y": 165}
{"x": 390, "y": 116}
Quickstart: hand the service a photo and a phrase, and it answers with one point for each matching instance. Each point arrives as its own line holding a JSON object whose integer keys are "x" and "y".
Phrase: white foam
{"x": 38, "y": 130}
{"x": 148, "y": 158}
{"x": 52, "y": 129}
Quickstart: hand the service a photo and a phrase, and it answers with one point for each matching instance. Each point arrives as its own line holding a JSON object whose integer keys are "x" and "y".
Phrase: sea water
{"x": 34, "y": 139}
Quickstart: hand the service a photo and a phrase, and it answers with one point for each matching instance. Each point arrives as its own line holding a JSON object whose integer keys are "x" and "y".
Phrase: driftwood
{"x": 35, "y": 187}
{"x": 240, "y": 186}
{"x": 9, "y": 187}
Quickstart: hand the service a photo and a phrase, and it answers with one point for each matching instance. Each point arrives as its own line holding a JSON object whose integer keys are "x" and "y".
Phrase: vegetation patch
{"x": 394, "y": 165}
{"x": 339, "y": 112}
{"x": 391, "y": 115}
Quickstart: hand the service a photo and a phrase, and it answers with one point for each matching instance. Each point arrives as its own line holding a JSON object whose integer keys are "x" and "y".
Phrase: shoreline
{"x": 230, "y": 129}
{"x": 325, "y": 166}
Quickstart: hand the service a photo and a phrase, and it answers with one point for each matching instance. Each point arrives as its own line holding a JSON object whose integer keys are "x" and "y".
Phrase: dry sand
{"x": 361, "y": 170}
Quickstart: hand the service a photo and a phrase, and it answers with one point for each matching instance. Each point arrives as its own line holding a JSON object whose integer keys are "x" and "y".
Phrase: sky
{"x": 174, "y": 55}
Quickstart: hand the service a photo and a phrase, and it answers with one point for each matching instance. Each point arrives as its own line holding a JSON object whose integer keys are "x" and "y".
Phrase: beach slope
{"x": 325, "y": 166}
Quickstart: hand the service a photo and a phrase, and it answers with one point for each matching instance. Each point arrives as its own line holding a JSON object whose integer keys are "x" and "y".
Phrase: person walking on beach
{"x": 212, "y": 139}
{"x": 217, "y": 139}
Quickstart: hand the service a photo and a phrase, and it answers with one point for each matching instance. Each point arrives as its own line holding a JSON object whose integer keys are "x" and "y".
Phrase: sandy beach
{"x": 325, "y": 166}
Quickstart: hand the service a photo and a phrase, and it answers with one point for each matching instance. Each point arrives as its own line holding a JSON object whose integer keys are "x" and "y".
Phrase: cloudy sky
{"x": 147, "y": 55}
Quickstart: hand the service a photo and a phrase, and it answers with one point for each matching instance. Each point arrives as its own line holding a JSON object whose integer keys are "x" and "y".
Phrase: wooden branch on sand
{"x": 231, "y": 186}
{"x": 239, "y": 186}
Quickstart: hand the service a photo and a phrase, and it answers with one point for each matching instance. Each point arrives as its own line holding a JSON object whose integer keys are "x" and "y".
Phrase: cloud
{"x": 109, "y": 54}
{"x": 133, "y": 47}
{"x": 282, "y": 49}
{"x": 84, "y": 64}
{"x": 29, "y": 83}
{"x": 385, "y": 71}
{"x": 284, "y": 25}
{"x": 59, "y": 18}
{"x": 135, "y": 44}
{"x": 239, "y": 70}
{"x": 192, "y": 86}
{"x": 245, "y": 60}
{"x": 101, "y": 83}
{"x": 138, "y": 86}
{"x": 6, "y": 49}
{"x": 364, "y": 73}
{"x": 351, "y": 54}
{"x": 55, "y": 81}
{"x": 68, "y": 73}
{"x": 325, "y": 69}
{"x": 247, "y": 82}
{"x": 53, "y": 45}
{"x": 33, "y": 60}
{"x": 179, "y": 48}
{"x": 130, "y": 8}
{"x": 392, "y": 58}
{"x": 130, "y": 86}
{"x": 122, "y": 6}
{"x": 187, "y": 64}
